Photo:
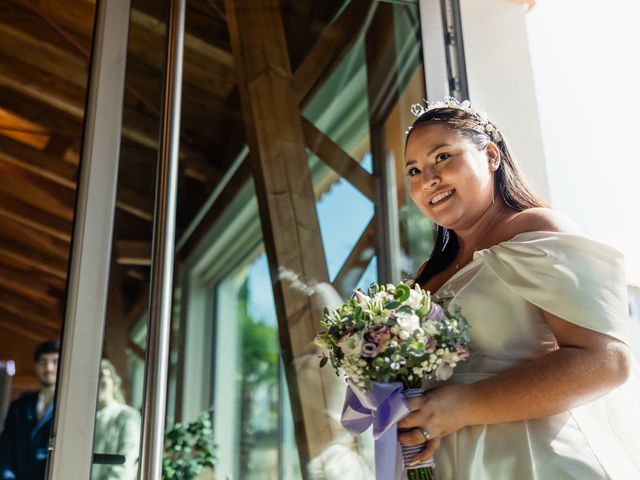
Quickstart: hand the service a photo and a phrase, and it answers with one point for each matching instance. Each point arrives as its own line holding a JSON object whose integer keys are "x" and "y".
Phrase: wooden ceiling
{"x": 44, "y": 54}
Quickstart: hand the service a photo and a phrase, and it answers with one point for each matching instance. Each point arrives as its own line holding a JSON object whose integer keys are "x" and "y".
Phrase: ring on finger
{"x": 425, "y": 434}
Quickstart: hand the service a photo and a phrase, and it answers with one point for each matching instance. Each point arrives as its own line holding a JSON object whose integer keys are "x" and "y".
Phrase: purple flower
{"x": 431, "y": 345}
{"x": 370, "y": 349}
{"x": 436, "y": 314}
{"x": 379, "y": 333}
{"x": 462, "y": 350}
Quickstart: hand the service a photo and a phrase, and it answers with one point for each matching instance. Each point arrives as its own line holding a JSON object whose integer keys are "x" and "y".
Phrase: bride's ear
{"x": 493, "y": 157}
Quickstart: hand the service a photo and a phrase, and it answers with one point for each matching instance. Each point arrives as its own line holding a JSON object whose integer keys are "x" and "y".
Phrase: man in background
{"x": 24, "y": 441}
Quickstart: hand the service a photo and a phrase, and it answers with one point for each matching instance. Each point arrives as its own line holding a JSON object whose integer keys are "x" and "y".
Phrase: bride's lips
{"x": 451, "y": 192}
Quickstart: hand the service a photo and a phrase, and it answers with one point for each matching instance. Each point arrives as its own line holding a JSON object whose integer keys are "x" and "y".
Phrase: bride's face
{"x": 450, "y": 179}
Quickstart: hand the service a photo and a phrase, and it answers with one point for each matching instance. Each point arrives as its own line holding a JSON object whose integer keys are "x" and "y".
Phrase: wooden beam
{"x": 60, "y": 96}
{"x": 34, "y": 218}
{"x": 28, "y": 286}
{"x": 193, "y": 45}
{"x": 135, "y": 203}
{"x": 340, "y": 161}
{"x": 42, "y": 87}
{"x": 28, "y": 311}
{"x": 64, "y": 174}
{"x": 28, "y": 39}
{"x": 49, "y": 119}
{"x": 13, "y": 326}
{"x": 56, "y": 284}
{"x": 133, "y": 252}
{"x": 136, "y": 350}
{"x": 332, "y": 45}
{"x": 18, "y": 252}
{"x": 37, "y": 162}
{"x": 26, "y": 236}
{"x": 200, "y": 70}
{"x": 357, "y": 261}
{"x": 37, "y": 192}
{"x": 286, "y": 203}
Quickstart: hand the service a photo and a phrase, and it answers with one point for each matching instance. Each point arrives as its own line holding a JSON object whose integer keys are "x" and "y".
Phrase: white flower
{"x": 404, "y": 335}
{"x": 408, "y": 321}
{"x": 430, "y": 327}
{"x": 414, "y": 301}
{"x": 382, "y": 296}
{"x": 443, "y": 371}
{"x": 362, "y": 299}
{"x": 352, "y": 344}
{"x": 450, "y": 357}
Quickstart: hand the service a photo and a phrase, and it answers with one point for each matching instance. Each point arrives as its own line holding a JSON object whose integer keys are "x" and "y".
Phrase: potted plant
{"x": 189, "y": 449}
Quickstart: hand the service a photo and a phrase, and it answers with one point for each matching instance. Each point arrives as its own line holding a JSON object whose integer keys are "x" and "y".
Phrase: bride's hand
{"x": 439, "y": 412}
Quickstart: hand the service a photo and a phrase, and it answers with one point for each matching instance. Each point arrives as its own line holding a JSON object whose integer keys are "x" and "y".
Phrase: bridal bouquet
{"x": 386, "y": 342}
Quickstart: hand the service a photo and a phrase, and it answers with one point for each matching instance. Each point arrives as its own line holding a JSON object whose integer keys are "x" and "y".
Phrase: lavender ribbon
{"x": 383, "y": 406}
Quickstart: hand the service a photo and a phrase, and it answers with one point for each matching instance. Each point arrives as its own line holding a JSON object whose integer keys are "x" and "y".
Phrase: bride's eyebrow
{"x": 432, "y": 151}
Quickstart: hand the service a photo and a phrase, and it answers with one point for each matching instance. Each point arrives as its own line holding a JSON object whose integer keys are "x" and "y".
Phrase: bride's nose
{"x": 429, "y": 181}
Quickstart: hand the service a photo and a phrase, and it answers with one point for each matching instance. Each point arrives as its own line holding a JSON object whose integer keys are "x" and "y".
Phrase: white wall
{"x": 587, "y": 73}
{"x": 501, "y": 79}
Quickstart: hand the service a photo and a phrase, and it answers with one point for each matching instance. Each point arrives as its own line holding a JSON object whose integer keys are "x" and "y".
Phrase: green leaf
{"x": 402, "y": 292}
{"x": 323, "y": 361}
{"x": 392, "y": 305}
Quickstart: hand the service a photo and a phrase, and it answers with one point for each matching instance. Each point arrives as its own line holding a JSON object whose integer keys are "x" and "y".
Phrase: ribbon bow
{"x": 383, "y": 406}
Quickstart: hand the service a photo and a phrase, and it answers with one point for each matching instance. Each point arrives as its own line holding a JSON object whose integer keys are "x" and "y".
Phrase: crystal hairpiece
{"x": 419, "y": 109}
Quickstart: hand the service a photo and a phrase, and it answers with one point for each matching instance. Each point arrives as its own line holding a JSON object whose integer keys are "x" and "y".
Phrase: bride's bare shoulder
{"x": 542, "y": 220}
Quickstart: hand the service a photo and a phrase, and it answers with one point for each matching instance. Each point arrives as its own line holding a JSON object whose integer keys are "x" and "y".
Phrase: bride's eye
{"x": 412, "y": 172}
{"x": 441, "y": 157}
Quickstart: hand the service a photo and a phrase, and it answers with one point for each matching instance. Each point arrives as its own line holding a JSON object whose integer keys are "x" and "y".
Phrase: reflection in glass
{"x": 117, "y": 429}
{"x": 247, "y": 374}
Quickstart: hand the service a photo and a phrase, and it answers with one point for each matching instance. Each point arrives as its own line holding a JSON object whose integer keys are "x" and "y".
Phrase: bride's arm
{"x": 586, "y": 365}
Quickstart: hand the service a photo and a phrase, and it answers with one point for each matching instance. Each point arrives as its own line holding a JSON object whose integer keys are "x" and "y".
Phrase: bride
{"x": 548, "y": 392}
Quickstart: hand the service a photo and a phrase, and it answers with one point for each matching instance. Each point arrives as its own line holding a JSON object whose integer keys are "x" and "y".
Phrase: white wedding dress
{"x": 502, "y": 293}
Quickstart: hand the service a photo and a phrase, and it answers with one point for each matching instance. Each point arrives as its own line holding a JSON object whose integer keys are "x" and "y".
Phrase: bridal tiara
{"x": 418, "y": 109}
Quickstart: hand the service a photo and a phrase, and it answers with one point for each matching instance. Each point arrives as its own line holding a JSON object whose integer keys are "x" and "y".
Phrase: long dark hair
{"x": 510, "y": 184}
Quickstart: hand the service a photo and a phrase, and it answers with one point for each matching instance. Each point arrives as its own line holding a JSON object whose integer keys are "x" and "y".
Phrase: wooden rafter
{"x": 63, "y": 174}
{"x": 30, "y": 257}
{"x": 340, "y": 161}
{"x": 357, "y": 261}
{"x": 133, "y": 252}
{"x": 37, "y": 192}
{"x": 33, "y": 218}
{"x": 28, "y": 332}
{"x": 58, "y": 104}
{"x": 27, "y": 236}
{"x": 40, "y": 47}
{"x": 285, "y": 197}
{"x": 24, "y": 284}
{"x": 332, "y": 45}
{"x": 136, "y": 350}
{"x": 37, "y": 162}
{"x": 28, "y": 311}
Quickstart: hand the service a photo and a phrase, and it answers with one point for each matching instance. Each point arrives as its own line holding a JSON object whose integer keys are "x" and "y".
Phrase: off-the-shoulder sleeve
{"x": 573, "y": 277}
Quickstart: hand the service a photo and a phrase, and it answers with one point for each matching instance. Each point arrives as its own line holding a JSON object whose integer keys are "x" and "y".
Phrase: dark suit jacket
{"x": 25, "y": 440}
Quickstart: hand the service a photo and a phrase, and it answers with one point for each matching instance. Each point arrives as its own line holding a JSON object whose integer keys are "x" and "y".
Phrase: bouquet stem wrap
{"x": 425, "y": 469}
{"x": 383, "y": 406}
